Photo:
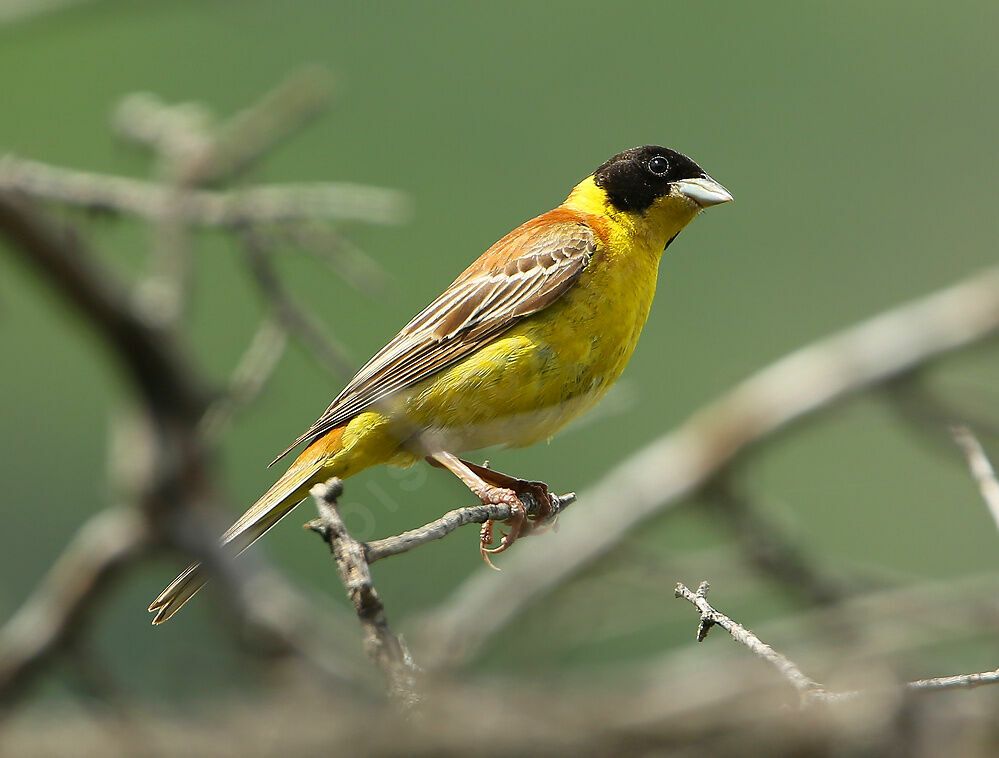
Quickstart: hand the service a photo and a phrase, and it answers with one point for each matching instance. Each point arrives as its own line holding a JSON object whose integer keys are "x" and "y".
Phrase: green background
{"x": 858, "y": 139}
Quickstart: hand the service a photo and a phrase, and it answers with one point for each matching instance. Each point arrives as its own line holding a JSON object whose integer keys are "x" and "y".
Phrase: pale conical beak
{"x": 704, "y": 191}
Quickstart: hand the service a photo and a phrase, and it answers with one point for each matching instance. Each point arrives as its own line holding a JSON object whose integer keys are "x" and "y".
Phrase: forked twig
{"x": 807, "y": 688}
{"x": 387, "y": 650}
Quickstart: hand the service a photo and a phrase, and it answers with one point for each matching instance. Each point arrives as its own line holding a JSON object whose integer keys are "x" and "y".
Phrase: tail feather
{"x": 280, "y": 500}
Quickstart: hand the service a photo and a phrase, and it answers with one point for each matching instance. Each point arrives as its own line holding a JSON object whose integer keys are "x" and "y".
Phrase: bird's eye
{"x": 659, "y": 165}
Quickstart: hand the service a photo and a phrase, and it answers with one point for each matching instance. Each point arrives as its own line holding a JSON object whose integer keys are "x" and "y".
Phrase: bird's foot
{"x": 542, "y": 503}
{"x": 493, "y": 495}
{"x": 496, "y": 488}
{"x": 510, "y": 492}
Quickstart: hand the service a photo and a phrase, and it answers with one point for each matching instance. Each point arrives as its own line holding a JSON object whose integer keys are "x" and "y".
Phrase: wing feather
{"x": 523, "y": 273}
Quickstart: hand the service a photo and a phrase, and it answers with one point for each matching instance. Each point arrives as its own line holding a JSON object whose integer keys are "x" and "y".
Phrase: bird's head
{"x": 652, "y": 189}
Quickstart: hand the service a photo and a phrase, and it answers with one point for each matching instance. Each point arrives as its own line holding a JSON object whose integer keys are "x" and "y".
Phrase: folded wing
{"x": 523, "y": 273}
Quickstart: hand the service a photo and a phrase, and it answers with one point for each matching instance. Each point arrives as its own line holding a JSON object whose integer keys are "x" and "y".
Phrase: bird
{"x": 528, "y": 337}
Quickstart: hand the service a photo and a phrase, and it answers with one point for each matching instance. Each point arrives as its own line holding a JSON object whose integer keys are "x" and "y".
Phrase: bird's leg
{"x": 494, "y": 487}
{"x": 537, "y": 490}
{"x": 488, "y": 494}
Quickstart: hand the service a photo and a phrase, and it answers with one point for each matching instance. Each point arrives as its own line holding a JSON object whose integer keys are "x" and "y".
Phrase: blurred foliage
{"x": 857, "y": 139}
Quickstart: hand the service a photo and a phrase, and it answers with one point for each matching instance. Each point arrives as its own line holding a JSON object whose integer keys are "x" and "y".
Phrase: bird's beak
{"x": 704, "y": 191}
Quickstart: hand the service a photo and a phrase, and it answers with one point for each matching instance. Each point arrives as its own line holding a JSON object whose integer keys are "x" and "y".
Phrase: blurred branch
{"x": 351, "y": 263}
{"x": 258, "y": 204}
{"x": 147, "y": 352}
{"x": 109, "y": 541}
{"x": 807, "y": 688}
{"x": 182, "y": 131}
{"x": 388, "y": 651}
{"x": 164, "y": 467}
{"x": 252, "y": 372}
{"x": 980, "y": 467}
{"x": 332, "y": 355}
{"x": 670, "y": 469}
{"x": 12, "y": 11}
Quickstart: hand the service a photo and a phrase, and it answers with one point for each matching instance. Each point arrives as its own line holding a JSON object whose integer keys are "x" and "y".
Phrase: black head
{"x": 634, "y": 179}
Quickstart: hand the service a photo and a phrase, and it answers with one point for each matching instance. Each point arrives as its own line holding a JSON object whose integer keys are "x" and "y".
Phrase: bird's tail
{"x": 314, "y": 464}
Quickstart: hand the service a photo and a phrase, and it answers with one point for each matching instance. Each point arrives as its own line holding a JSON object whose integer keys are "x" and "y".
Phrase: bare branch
{"x": 980, "y": 466}
{"x": 252, "y": 372}
{"x": 350, "y": 262}
{"x": 182, "y": 131}
{"x": 961, "y": 681}
{"x": 262, "y": 203}
{"x": 475, "y": 514}
{"x": 109, "y": 541}
{"x": 147, "y": 352}
{"x": 331, "y": 353}
{"x": 673, "y": 467}
{"x": 809, "y": 689}
{"x": 385, "y": 649}
{"x": 806, "y": 687}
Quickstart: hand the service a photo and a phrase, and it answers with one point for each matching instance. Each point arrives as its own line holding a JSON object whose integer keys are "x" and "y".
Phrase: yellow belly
{"x": 526, "y": 385}
{"x": 534, "y": 379}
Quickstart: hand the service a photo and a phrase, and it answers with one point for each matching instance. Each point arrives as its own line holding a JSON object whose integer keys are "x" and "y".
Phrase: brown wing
{"x": 521, "y": 274}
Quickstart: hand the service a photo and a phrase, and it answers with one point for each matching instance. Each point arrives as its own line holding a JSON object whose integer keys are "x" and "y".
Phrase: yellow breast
{"x": 529, "y": 383}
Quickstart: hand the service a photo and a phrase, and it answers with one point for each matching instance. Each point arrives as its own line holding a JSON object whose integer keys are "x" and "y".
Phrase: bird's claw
{"x": 519, "y": 522}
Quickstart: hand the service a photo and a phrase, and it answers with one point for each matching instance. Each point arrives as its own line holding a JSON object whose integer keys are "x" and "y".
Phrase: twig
{"x": 475, "y": 514}
{"x": 980, "y": 466}
{"x": 331, "y": 354}
{"x": 334, "y": 249}
{"x": 262, "y": 203}
{"x": 147, "y": 352}
{"x": 808, "y": 688}
{"x": 961, "y": 681}
{"x": 168, "y": 456}
{"x": 383, "y": 647}
{"x": 203, "y": 158}
{"x": 676, "y": 465}
{"x": 164, "y": 469}
{"x": 249, "y": 378}
{"x": 108, "y": 542}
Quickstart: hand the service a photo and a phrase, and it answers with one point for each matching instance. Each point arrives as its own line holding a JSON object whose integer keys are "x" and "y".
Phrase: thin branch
{"x": 167, "y": 474}
{"x": 961, "y": 681}
{"x": 980, "y": 466}
{"x": 349, "y": 261}
{"x": 147, "y": 352}
{"x": 673, "y": 467}
{"x": 262, "y": 203}
{"x": 808, "y": 688}
{"x": 330, "y": 353}
{"x": 252, "y": 372}
{"x": 383, "y": 647}
{"x": 164, "y": 468}
{"x": 205, "y": 155}
{"x": 475, "y": 514}
{"x": 108, "y": 542}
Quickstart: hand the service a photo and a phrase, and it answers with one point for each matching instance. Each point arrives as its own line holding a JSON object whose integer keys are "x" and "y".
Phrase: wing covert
{"x": 523, "y": 273}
